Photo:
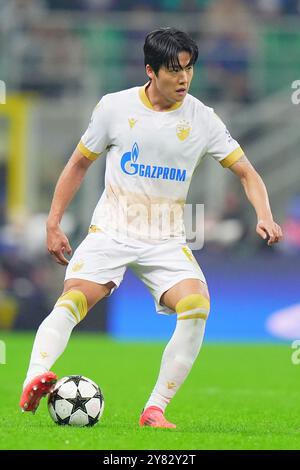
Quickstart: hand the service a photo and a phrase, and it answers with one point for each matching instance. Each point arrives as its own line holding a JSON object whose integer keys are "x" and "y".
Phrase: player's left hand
{"x": 269, "y": 230}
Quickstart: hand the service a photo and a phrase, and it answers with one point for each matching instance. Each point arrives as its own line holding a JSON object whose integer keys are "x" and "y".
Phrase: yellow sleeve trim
{"x": 87, "y": 153}
{"x": 232, "y": 158}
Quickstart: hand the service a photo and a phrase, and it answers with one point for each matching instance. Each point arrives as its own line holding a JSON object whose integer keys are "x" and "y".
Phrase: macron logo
{"x": 130, "y": 166}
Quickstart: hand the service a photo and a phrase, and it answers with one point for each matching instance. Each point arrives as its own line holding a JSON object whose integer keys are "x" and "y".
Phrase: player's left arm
{"x": 257, "y": 194}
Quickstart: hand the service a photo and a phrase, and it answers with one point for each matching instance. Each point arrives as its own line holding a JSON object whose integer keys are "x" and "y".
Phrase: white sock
{"x": 50, "y": 341}
{"x": 178, "y": 358}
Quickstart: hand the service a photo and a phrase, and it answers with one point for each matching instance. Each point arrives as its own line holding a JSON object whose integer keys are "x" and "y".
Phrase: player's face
{"x": 172, "y": 85}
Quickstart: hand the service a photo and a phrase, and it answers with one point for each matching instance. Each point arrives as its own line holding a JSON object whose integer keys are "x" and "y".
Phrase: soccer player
{"x": 155, "y": 136}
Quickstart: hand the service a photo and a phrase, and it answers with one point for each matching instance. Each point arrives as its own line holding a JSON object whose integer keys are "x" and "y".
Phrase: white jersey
{"x": 151, "y": 157}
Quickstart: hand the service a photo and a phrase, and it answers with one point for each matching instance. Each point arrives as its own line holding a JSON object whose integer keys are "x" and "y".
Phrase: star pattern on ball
{"x": 76, "y": 379}
{"x": 78, "y": 402}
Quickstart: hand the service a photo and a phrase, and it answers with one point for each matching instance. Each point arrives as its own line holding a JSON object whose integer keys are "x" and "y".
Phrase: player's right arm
{"x": 66, "y": 188}
{"x": 92, "y": 145}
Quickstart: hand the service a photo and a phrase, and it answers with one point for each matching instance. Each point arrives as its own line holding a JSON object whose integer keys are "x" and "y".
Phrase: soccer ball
{"x": 76, "y": 401}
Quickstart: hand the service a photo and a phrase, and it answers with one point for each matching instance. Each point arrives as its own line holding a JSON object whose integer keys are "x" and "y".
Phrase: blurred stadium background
{"x": 57, "y": 58}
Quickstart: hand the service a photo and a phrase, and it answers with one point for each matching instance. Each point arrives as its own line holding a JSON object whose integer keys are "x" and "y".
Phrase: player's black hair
{"x": 163, "y": 45}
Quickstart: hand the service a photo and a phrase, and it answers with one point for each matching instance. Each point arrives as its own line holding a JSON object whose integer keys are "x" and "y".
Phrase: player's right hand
{"x": 58, "y": 244}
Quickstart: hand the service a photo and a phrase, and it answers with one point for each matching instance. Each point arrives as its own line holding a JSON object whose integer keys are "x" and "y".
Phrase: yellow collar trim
{"x": 145, "y": 100}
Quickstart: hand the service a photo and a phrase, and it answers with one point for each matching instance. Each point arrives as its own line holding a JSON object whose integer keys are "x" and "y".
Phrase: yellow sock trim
{"x": 193, "y": 306}
{"x": 75, "y": 301}
{"x": 193, "y": 315}
{"x": 71, "y": 309}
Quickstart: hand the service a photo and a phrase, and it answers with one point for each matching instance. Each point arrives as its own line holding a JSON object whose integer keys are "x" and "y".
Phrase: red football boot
{"x": 154, "y": 417}
{"x": 37, "y": 388}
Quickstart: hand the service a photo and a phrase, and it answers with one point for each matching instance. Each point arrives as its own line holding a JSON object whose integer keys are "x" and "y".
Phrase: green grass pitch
{"x": 238, "y": 396}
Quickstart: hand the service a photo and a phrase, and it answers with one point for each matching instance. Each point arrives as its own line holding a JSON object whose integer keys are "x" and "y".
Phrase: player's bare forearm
{"x": 257, "y": 194}
{"x": 66, "y": 188}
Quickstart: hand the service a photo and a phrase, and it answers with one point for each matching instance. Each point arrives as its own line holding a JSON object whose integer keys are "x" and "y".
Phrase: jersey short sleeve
{"x": 221, "y": 146}
{"x": 95, "y": 139}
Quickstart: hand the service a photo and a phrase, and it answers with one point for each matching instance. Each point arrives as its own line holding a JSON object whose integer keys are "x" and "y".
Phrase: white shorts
{"x": 101, "y": 258}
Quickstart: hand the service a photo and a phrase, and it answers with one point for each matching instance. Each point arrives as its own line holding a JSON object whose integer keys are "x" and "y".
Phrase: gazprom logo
{"x": 128, "y": 160}
{"x": 130, "y": 166}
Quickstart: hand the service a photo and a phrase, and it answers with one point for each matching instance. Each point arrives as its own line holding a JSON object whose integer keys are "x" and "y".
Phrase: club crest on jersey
{"x": 130, "y": 166}
{"x": 183, "y": 130}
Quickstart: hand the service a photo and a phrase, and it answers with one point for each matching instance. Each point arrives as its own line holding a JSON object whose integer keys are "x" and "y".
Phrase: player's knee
{"x": 92, "y": 291}
{"x": 193, "y": 306}
{"x": 75, "y": 302}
